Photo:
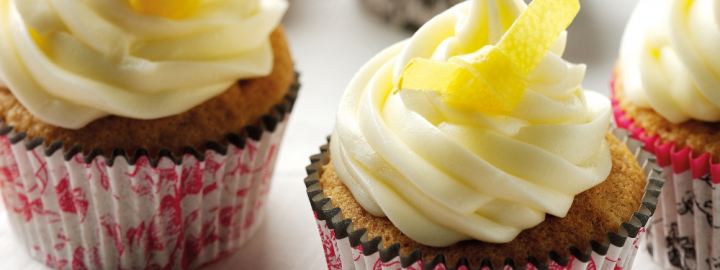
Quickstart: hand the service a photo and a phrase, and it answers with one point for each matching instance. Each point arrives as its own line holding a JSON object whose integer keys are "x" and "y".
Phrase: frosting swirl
{"x": 670, "y": 58}
{"x": 443, "y": 174}
{"x": 70, "y": 62}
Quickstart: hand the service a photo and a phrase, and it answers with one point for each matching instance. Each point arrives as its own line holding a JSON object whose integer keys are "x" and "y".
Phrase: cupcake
{"x": 408, "y": 13}
{"x": 473, "y": 145}
{"x": 140, "y": 134}
{"x": 666, "y": 93}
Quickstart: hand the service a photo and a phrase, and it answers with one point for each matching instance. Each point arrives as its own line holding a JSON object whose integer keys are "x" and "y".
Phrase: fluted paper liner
{"x": 350, "y": 248}
{"x": 686, "y": 233}
{"x": 74, "y": 210}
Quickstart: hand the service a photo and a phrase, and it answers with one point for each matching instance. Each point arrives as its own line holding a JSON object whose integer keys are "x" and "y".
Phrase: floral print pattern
{"x": 90, "y": 215}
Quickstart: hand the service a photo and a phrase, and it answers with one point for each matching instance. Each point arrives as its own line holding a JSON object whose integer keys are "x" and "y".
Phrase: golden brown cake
{"x": 140, "y": 134}
{"x": 465, "y": 145}
{"x": 594, "y": 213}
{"x": 241, "y": 105}
{"x": 701, "y": 137}
{"x": 665, "y": 90}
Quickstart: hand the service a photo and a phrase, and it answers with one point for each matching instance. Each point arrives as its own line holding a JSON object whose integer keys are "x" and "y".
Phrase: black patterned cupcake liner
{"x": 349, "y": 247}
{"x": 686, "y": 232}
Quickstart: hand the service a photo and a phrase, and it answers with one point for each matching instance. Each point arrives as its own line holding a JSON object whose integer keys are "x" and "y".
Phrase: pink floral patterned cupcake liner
{"x": 74, "y": 210}
{"x": 350, "y": 248}
{"x": 686, "y": 232}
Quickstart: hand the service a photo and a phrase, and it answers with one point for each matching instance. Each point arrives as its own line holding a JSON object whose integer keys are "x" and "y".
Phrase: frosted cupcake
{"x": 408, "y": 13}
{"x": 666, "y": 93}
{"x": 140, "y": 134}
{"x": 474, "y": 145}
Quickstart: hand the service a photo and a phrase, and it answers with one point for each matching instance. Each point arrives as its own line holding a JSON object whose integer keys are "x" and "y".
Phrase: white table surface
{"x": 330, "y": 40}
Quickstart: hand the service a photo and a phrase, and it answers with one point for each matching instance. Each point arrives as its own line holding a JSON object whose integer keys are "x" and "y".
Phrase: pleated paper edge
{"x": 619, "y": 248}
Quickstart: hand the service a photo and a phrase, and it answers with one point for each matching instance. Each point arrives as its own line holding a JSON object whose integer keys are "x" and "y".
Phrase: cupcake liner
{"x": 409, "y": 13}
{"x": 686, "y": 233}
{"x": 75, "y": 210}
{"x": 347, "y": 247}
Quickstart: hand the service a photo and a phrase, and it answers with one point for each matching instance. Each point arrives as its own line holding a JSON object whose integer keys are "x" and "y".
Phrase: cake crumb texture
{"x": 594, "y": 214}
{"x": 701, "y": 137}
{"x": 243, "y": 104}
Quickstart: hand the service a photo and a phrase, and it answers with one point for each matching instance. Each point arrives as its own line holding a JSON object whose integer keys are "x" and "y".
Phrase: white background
{"x": 331, "y": 39}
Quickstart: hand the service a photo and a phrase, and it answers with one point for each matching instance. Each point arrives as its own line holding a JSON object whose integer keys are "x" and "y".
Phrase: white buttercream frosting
{"x": 670, "y": 58}
{"x": 444, "y": 175}
{"x": 70, "y": 62}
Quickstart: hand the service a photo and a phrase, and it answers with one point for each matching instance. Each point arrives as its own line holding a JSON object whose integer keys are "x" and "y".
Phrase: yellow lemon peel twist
{"x": 495, "y": 83}
{"x": 171, "y": 9}
{"x": 40, "y": 40}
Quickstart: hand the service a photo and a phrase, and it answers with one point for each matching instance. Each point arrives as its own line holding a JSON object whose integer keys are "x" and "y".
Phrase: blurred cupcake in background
{"x": 140, "y": 134}
{"x": 473, "y": 145}
{"x": 408, "y": 13}
{"x": 667, "y": 93}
